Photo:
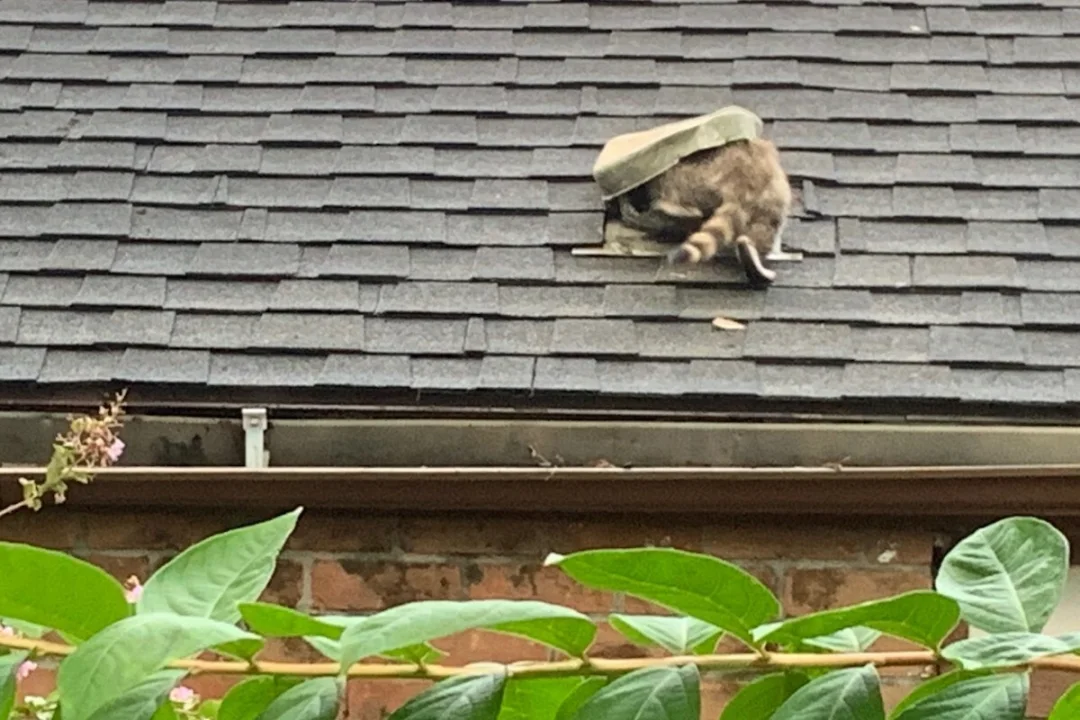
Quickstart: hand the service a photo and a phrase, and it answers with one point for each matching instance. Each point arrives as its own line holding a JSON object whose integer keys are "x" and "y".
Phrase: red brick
{"x": 808, "y": 591}
{"x": 365, "y": 586}
{"x": 533, "y": 582}
{"x": 772, "y": 540}
{"x": 286, "y": 585}
{"x": 610, "y": 643}
{"x": 375, "y": 700}
{"x": 715, "y": 694}
{"x": 473, "y": 535}
{"x": 1046, "y": 687}
{"x": 294, "y": 650}
{"x": 157, "y": 530}
{"x": 623, "y": 532}
{"x": 41, "y": 682}
{"x": 211, "y": 687}
{"x": 343, "y": 532}
{"x": 122, "y": 567}
{"x": 54, "y": 527}
{"x": 480, "y": 646}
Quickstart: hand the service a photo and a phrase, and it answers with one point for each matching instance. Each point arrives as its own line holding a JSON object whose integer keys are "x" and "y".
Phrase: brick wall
{"x": 352, "y": 562}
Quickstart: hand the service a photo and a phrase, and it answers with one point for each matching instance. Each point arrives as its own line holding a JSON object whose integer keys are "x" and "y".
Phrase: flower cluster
{"x": 91, "y": 442}
{"x": 27, "y": 666}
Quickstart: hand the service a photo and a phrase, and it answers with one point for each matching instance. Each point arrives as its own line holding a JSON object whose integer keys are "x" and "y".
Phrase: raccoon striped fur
{"x": 735, "y": 198}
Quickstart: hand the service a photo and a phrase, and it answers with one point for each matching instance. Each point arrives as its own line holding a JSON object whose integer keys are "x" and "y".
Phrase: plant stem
{"x": 560, "y": 668}
{"x": 12, "y": 508}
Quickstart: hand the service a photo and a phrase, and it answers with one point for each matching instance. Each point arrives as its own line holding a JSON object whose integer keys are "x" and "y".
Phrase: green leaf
{"x": 761, "y": 698}
{"x": 921, "y": 616}
{"x": 993, "y": 697}
{"x": 466, "y": 697}
{"x": 852, "y": 639}
{"x": 278, "y": 621}
{"x": 247, "y": 699}
{"x": 418, "y": 654}
{"x": 655, "y": 693}
{"x": 209, "y": 709}
{"x": 165, "y": 711}
{"x": 1007, "y": 576}
{"x": 934, "y": 686}
{"x": 8, "y": 665}
{"x": 58, "y": 591}
{"x": 311, "y": 700}
{"x": 1067, "y": 707}
{"x": 118, "y": 658}
{"x": 851, "y": 694}
{"x": 24, "y": 628}
{"x": 141, "y": 700}
{"x": 573, "y": 702}
{"x": 678, "y": 635}
{"x": 412, "y": 623}
{"x": 536, "y": 699}
{"x": 698, "y": 585}
{"x": 1007, "y": 649}
{"x": 211, "y": 578}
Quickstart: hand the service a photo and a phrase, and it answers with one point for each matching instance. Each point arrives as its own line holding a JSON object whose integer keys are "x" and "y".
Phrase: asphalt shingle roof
{"x": 386, "y": 195}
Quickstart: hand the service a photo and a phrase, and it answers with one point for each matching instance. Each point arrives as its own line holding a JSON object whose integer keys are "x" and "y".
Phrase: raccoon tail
{"x": 714, "y": 235}
{"x": 750, "y": 259}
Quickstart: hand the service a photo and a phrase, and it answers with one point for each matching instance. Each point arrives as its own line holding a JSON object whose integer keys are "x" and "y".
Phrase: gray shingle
{"x": 989, "y": 308}
{"x": 41, "y": 290}
{"x": 545, "y": 301}
{"x": 20, "y": 364}
{"x": 1053, "y": 349}
{"x": 154, "y": 258}
{"x": 814, "y": 304}
{"x": 1056, "y": 275}
{"x": 213, "y": 331}
{"x": 167, "y": 223}
{"x": 724, "y": 377}
{"x": 510, "y": 373}
{"x": 384, "y": 160}
{"x": 897, "y": 380}
{"x": 366, "y": 261}
{"x": 81, "y": 255}
{"x": 245, "y": 259}
{"x": 968, "y": 271}
{"x": 502, "y": 263}
{"x": 10, "y": 318}
{"x": 137, "y": 327}
{"x": 913, "y": 309}
{"x": 122, "y": 291}
{"x": 384, "y": 371}
{"x": 392, "y": 226}
{"x": 324, "y": 295}
{"x": 1059, "y": 204}
{"x": 801, "y": 381}
{"x": 968, "y": 344}
{"x": 640, "y": 300}
{"x": 440, "y": 194}
{"x": 435, "y": 337}
{"x": 872, "y": 271}
{"x": 60, "y": 327}
{"x": 441, "y": 264}
{"x": 687, "y": 340}
{"x": 89, "y": 219}
{"x": 418, "y": 297}
{"x": 264, "y": 370}
{"x": 1050, "y": 308}
{"x": 285, "y": 225}
{"x": 573, "y": 374}
{"x": 496, "y": 230}
{"x": 74, "y": 366}
{"x": 306, "y": 331}
{"x": 891, "y": 344}
{"x": 1008, "y": 238}
{"x": 984, "y": 137}
{"x": 643, "y": 378}
{"x": 249, "y": 296}
{"x": 169, "y": 366}
{"x": 797, "y": 340}
{"x": 519, "y": 337}
{"x": 599, "y": 337}
{"x": 1024, "y": 386}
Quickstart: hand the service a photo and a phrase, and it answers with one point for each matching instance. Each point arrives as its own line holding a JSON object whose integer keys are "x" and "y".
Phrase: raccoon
{"x": 735, "y": 198}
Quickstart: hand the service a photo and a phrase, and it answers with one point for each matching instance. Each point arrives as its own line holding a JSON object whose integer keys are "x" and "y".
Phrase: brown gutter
{"x": 942, "y": 491}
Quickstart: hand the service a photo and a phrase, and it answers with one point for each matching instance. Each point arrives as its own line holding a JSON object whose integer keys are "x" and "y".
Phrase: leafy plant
{"x": 127, "y": 653}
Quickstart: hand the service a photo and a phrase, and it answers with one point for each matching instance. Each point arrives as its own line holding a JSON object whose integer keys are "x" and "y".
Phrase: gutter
{"x": 931, "y": 491}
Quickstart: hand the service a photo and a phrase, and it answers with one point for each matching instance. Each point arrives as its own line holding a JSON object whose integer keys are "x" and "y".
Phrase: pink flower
{"x": 182, "y": 694}
{"x": 133, "y": 590}
{"x": 25, "y": 669}
{"x": 115, "y": 450}
{"x": 6, "y": 631}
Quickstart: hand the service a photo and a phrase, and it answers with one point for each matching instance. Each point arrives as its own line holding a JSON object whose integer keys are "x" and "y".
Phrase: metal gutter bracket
{"x": 255, "y": 453}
